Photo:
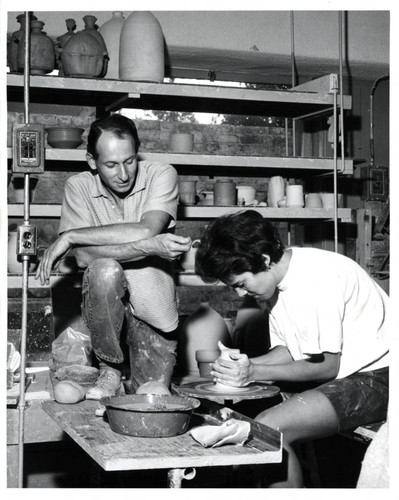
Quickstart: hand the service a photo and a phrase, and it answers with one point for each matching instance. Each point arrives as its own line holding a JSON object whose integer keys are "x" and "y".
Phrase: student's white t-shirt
{"x": 328, "y": 303}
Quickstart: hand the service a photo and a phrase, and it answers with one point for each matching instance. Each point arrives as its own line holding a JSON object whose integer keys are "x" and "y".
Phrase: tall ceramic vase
{"x": 141, "y": 52}
{"x": 42, "y": 51}
{"x": 201, "y": 330}
{"x": 111, "y": 33}
{"x": 16, "y": 37}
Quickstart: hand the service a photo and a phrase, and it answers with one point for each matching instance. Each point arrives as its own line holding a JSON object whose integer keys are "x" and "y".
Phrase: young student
{"x": 329, "y": 325}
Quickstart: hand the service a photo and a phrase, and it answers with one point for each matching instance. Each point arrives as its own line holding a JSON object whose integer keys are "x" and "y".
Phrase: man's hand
{"x": 168, "y": 246}
{"x": 52, "y": 254}
{"x": 237, "y": 373}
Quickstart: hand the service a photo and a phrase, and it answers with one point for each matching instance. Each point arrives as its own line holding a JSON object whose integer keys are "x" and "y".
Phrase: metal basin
{"x": 149, "y": 415}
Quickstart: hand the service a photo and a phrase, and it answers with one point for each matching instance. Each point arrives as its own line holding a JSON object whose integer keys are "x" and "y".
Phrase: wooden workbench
{"x": 116, "y": 452}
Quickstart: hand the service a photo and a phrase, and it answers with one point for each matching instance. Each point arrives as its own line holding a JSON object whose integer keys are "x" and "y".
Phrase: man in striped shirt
{"x": 119, "y": 218}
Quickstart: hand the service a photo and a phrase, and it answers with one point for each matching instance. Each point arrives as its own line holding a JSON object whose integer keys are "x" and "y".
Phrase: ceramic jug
{"x": 111, "y": 33}
{"x": 141, "y": 51}
{"x": 187, "y": 260}
{"x": 276, "y": 191}
{"x": 42, "y": 51}
{"x": 91, "y": 27}
{"x": 225, "y": 193}
{"x": 16, "y": 37}
{"x": 62, "y": 40}
{"x": 83, "y": 56}
{"x": 201, "y": 331}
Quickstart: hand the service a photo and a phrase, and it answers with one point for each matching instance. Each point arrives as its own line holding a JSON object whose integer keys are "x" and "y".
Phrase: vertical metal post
{"x": 25, "y": 275}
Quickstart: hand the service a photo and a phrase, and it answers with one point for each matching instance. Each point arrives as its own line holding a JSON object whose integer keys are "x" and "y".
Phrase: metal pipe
{"x": 335, "y": 173}
{"x": 25, "y": 275}
{"x": 341, "y": 89}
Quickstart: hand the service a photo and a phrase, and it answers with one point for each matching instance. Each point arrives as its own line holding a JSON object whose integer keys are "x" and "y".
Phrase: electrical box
{"x": 28, "y": 148}
{"x": 375, "y": 183}
{"x": 26, "y": 239}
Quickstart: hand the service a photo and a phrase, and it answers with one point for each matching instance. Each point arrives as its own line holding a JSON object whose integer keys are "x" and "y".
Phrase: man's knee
{"x": 104, "y": 271}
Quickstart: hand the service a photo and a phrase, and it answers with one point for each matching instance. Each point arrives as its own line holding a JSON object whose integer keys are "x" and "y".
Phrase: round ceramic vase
{"x": 111, "y": 32}
{"x": 141, "y": 51}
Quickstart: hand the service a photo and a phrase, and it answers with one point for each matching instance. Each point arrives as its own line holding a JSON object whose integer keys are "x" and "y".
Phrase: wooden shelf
{"x": 196, "y": 159}
{"x": 209, "y": 212}
{"x": 114, "y": 94}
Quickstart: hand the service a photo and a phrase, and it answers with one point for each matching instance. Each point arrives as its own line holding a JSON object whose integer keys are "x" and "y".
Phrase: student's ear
{"x": 91, "y": 161}
{"x": 266, "y": 259}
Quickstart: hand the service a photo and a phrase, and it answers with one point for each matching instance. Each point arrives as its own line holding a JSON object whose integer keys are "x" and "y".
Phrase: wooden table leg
{"x": 176, "y": 476}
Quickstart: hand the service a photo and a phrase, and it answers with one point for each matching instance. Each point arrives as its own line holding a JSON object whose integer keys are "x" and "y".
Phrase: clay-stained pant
{"x": 106, "y": 310}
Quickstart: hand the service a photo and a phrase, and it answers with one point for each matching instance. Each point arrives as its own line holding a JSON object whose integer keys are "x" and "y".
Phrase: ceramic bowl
{"x": 64, "y": 137}
{"x": 149, "y": 415}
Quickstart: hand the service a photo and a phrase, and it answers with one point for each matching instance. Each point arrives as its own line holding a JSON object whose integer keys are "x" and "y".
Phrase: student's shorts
{"x": 359, "y": 399}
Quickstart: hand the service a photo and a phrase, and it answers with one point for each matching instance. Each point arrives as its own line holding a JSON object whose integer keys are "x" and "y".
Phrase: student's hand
{"x": 170, "y": 246}
{"x": 51, "y": 255}
{"x": 237, "y": 373}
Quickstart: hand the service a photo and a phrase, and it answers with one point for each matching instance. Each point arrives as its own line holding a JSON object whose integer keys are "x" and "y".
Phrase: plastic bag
{"x": 72, "y": 346}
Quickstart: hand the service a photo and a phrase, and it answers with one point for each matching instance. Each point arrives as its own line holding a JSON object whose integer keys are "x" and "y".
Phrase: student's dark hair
{"x": 234, "y": 244}
{"x": 118, "y": 124}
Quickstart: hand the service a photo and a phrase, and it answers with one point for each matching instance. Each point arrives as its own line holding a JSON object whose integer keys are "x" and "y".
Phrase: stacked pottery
{"x": 16, "y": 37}
{"x": 201, "y": 331}
{"x": 111, "y": 32}
{"x": 141, "y": 51}
{"x": 84, "y": 54}
{"x": 42, "y": 52}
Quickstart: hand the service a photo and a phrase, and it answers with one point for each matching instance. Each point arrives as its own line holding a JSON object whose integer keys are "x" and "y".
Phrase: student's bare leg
{"x": 306, "y": 416}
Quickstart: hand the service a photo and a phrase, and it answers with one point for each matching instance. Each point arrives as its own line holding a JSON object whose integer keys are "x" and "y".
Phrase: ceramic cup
{"x": 328, "y": 199}
{"x": 187, "y": 261}
{"x": 246, "y": 194}
{"x": 187, "y": 192}
{"x": 313, "y": 200}
{"x": 295, "y": 195}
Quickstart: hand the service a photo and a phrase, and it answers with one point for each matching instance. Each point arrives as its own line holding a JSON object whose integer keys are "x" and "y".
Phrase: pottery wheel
{"x": 205, "y": 390}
